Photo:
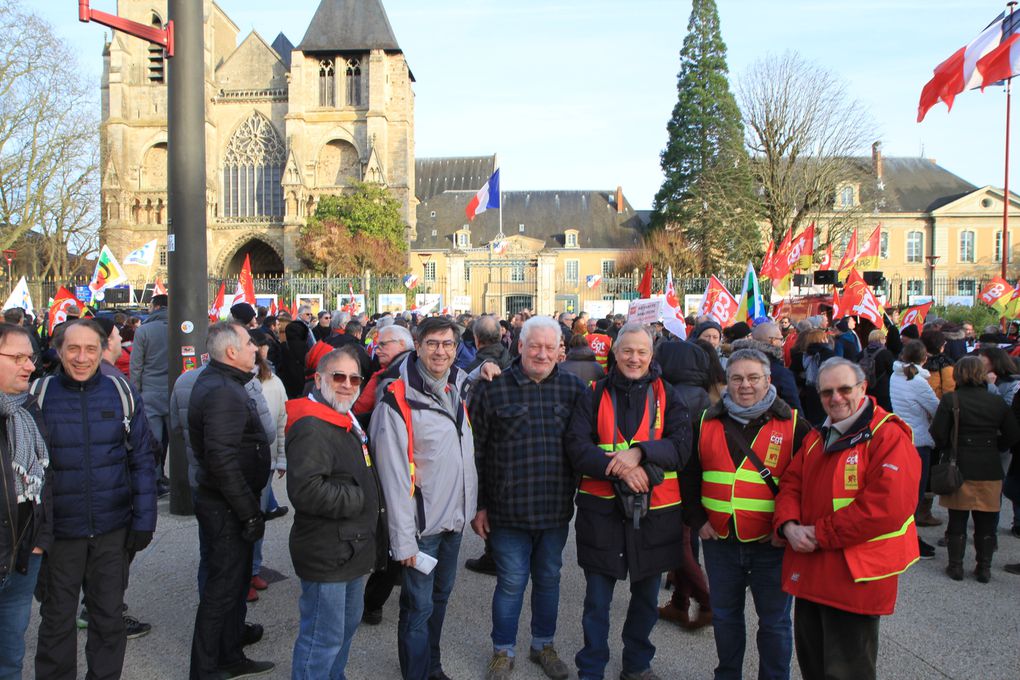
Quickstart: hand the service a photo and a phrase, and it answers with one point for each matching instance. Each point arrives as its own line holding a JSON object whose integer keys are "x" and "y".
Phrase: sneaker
{"x": 1012, "y": 568}
{"x": 482, "y": 565}
{"x": 1015, "y": 531}
{"x": 253, "y": 595}
{"x": 500, "y": 666}
{"x": 135, "y": 628}
{"x": 162, "y": 489}
{"x": 82, "y": 622}
{"x": 252, "y": 633}
{"x": 372, "y": 617}
{"x": 550, "y": 662}
{"x": 439, "y": 675}
{"x": 926, "y": 550}
{"x": 278, "y": 511}
{"x": 647, "y": 674}
{"x": 246, "y": 668}
{"x": 259, "y": 583}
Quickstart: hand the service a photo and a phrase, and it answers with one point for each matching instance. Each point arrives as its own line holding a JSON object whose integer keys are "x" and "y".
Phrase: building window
{"x": 467, "y": 274}
{"x": 517, "y": 273}
{"x": 327, "y": 83}
{"x": 915, "y": 246}
{"x": 998, "y": 247}
{"x": 915, "y": 287}
{"x": 520, "y": 228}
{"x": 883, "y": 245}
{"x": 157, "y": 63}
{"x": 162, "y": 256}
{"x": 966, "y": 246}
{"x": 571, "y": 239}
{"x": 253, "y": 170}
{"x": 966, "y": 287}
{"x": 608, "y": 268}
{"x": 573, "y": 271}
{"x": 429, "y": 271}
{"x": 463, "y": 239}
{"x": 846, "y": 197}
{"x": 352, "y": 78}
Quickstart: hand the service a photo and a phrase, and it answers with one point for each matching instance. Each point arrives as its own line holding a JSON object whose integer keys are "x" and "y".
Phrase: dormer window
{"x": 570, "y": 238}
{"x": 463, "y": 239}
{"x": 846, "y": 198}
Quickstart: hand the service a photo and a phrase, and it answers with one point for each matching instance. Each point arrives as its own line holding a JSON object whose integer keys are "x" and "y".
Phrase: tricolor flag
{"x": 750, "y": 306}
{"x": 108, "y": 273}
{"x": 142, "y": 256}
{"x": 487, "y": 198}
{"x": 673, "y": 311}
{"x": 992, "y": 56}
{"x": 20, "y": 297}
{"x": 410, "y": 281}
{"x": 593, "y": 280}
{"x": 499, "y": 247}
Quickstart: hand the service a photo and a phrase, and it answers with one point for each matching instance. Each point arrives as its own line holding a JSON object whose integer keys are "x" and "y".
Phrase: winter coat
{"x": 782, "y": 377}
{"x": 581, "y": 362}
{"x": 275, "y": 395}
{"x": 811, "y": 403}
{"x": 883, "y": 360}
{"x": 446, "y": 486}
{"x": 887, "y": 498}
{"x": 848, "y": 345}
{"x": 987, "y": 426}
{"x": 339, "y": 530}
{"x": 101, "y": 483}
{"x": 179, "y": 399}
{"x": 149, "y": 363}
{"x": 292, "y": 361}
{"x": 338, "y": 340}
{"x": 685, "y": 367}
{"x": 32, "y": 522}
{"x": 606, "y": 542}
{"x": 940, "y": 369}
{"x": 496, "y": 353}
{"x": 914, "y": 401}
{"x": 230, "y": 443}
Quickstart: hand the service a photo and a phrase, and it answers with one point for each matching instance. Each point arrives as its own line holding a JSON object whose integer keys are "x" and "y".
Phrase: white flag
{"x": 672, "y": 311}
{"x": 143, "y": 255}
{"x": 20, "y": 297}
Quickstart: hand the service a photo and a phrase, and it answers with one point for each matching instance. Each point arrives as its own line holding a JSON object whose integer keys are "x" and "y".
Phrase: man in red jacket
{"x": 846, "y": 508}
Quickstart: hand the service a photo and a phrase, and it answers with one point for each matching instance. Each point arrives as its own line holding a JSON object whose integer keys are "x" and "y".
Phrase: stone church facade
{"x": 285, "y": 125}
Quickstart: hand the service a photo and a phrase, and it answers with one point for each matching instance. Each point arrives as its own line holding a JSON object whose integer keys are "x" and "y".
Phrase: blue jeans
{"x": 256, "y": 560}
{"x": 519, "y": 554}
{"x": 15, "y": 608}
{"x": 732, "y": 568}
{"x": 642, "y": 615}
{"x": 423, "y": 601}
{"x": 330, "y": 613}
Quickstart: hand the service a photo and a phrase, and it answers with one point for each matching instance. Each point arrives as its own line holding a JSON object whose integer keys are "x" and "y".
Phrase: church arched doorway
{"x": 265, "y": 261}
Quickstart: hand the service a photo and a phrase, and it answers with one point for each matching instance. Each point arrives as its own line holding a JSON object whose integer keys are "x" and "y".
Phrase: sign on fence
{"x": 598, "y": 309}
{"x": 392, "y": 302}
{"x": 644, "y": 311}
{"x": 426, "y": 303}
{"x": 461, "y": 303}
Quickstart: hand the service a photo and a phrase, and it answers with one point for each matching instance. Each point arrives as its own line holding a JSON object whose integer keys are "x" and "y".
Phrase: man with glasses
{"x": 423, "y": 447}
{"x": 768, "y": 339}
{"x": 846, "y": 508}
{"x": 744, "y": 444}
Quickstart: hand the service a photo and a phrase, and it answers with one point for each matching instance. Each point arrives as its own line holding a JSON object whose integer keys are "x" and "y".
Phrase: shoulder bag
{"x": 945, "y": 477}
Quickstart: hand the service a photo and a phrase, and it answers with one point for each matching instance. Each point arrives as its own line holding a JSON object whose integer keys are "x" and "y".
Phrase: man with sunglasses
{"x": 846, "y": 508}
{"x": 422, "y": 444}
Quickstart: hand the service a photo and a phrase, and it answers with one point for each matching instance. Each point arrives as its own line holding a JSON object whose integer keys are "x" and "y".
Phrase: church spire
{"x": 349, "y": 26}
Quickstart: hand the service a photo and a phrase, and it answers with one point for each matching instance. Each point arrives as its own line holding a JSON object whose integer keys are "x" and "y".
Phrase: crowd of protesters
{"x": 791, "y": 459}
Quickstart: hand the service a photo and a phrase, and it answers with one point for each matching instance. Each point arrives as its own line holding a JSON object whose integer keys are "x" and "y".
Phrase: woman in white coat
{"x": 915, "y": 402}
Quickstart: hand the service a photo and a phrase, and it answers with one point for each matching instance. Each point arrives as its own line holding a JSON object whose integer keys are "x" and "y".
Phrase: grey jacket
{"x": 149, "y": 363}
{"x": 446, "y": 492}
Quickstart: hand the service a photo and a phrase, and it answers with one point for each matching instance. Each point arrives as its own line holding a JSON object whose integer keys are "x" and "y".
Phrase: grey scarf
{"x": 29, "y": 457}
{"x": 437, "y": 388}
{"x": 745, "y": 414}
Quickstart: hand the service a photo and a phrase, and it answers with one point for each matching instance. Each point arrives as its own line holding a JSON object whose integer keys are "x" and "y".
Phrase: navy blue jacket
{"x": 98, "y": 485}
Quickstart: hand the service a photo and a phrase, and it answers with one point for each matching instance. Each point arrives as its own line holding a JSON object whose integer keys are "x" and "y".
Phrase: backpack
{"x": 867, "y": 364}
{"x": 127, "y": 400}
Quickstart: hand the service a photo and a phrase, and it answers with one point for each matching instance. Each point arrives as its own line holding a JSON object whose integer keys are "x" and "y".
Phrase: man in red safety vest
{"x": 846, "y": 507}
{"x": 600, "y": 343}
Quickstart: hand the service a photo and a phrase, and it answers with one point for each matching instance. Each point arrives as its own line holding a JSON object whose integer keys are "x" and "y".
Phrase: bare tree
{"x": 803, "y": 130}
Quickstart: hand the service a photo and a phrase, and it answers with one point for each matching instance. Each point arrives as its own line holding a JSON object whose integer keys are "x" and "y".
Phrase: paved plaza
{"x": 942, "y": 629}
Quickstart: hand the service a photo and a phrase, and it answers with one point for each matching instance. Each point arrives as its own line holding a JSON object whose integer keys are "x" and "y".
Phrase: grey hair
{"x": 536, "y": 322}
{"x": 761, "y": 331}
{"x": 633, "y": 327}
{"x": 836, "y": 362}
{"x": 562, "y": 316}
{"x": 339, "y": 319}
{"x": 325, "y": 366}
{"x": 384, "y": 321}
{"x": 749, "y": 355}
{"x": 486, "y": 330}
{"x": 304, "y": 308}
{"x": 398, "y": 333}
{"x": 223, "y": 335}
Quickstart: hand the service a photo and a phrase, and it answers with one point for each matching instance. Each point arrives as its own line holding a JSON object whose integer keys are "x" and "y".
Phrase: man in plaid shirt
{"x": 525, "y": 491}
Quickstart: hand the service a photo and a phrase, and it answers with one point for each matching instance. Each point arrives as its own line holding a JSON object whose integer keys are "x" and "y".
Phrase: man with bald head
{"x": 767, "y": 338}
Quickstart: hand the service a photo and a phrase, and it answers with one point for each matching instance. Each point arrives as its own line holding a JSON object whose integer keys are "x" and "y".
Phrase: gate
{"x": 501, "y": 286}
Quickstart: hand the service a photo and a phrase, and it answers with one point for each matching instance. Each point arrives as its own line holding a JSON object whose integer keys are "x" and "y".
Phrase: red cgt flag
{"x": 718, "y": 303}
{"x": 914, "y": 316}
{"x": 858, "y": 300}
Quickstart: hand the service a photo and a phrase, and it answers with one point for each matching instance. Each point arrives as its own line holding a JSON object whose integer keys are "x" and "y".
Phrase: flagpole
{"x": 1005, "y": 181}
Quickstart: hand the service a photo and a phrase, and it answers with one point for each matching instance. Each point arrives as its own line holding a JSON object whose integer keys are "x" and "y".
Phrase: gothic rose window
{"x": 252, "y": 170}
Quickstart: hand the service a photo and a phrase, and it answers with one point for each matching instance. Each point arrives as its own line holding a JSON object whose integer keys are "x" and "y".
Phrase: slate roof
{"x": 546, "y": 215}
{"x": 283, "y": 47}
{"x": 433, "y": 176}
{"x": 910, "y": 185}
{"x": 349, "y": 26}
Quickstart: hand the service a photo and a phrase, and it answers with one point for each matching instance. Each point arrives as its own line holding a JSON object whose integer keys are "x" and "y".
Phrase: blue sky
{"x": 575, "y": 94}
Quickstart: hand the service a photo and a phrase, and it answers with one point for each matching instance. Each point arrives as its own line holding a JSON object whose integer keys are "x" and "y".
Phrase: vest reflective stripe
{"x": 883, "y": 556}
{"x": 398, "y": 390}
{"x": 664, "y": 495}
{"x": 741, "y": 494}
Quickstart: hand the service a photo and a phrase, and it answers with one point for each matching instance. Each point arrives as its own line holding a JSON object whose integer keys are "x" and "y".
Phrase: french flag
{"x": 486, "y": 198}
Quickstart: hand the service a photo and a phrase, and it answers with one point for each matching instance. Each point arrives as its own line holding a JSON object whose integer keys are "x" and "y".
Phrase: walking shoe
{"x": 1015, "y": 531}
{"x": 135, "y": 628}
{"x": 500, "y": 666}
{"x": 253, "y": 595}
{"x": 1012, "y": 568}
{"x": 246, "y": 668}
{"x": 252, "y": 633}
{"x": 670, "y": 612}
{"x": 278, "y": 511}
{"x": 439, "y": 675}
{"x": 162, "y": 489}
{"x": 647, "y": 674}
{"x": 82, "y": 622}
{"x": 550, "y": 662}
{"x": 372, "y": 617}
{"x": 259, "y": 583}
{"x": 482, "y": 565}
{"x": 926, "y": 550}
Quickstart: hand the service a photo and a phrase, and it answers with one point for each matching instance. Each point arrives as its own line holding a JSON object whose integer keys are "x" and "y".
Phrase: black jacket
{"x": 338, "y": 340}
{"x": 782, "y": 377}
{"x": 581, "y": 362}
{"x": 496, "y": 353}
{"x": 607, "y": 543}
{"x": 31, "y": 522}
{"x": 231, "y": 447}
{"x": 291, "y": 368}
{"x": 987, "y": 426}
{"x": 685, "y": 367}
{"x": 339, "y": 530}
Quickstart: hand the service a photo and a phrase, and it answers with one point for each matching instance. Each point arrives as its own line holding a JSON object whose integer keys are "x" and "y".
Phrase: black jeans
{"x": 101, "y": 565}
{"x": 219, "y": 621}
{"x": 985, "y": 523}
{"x": 833, "y": 644}
{"x": 380, "y": 585}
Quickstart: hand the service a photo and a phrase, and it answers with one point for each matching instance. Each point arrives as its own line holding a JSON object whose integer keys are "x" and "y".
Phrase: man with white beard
{"x": 337, "y": 537}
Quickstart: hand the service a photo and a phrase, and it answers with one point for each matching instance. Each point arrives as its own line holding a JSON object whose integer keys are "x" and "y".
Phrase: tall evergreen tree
{"x": 708, "y": 190}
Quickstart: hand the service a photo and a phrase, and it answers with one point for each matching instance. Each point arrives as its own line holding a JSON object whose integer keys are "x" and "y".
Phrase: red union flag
{"x": 858, "y": 300}
{"x": 997, "y": 294}
{"x": 914, "y": 316}
{"x": 802, "y": 250}
{"x": 717, "y": 303}
{"x": 826, "y": 263}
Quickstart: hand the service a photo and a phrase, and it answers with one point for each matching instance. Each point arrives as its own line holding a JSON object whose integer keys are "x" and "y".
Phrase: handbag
{"x": 946, "y": 477}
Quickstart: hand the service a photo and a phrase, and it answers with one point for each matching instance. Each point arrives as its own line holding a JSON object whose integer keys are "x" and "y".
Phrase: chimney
{"x": 876, "y": 159}
{"x": 619, "y": 200}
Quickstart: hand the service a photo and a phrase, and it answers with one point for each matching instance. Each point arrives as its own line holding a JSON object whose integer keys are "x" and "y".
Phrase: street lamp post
{"x": 932, "y": 260}
{"x": 9, "y": 256}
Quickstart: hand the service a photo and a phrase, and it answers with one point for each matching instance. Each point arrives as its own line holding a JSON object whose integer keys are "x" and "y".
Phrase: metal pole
{"x": 186, "y": 226}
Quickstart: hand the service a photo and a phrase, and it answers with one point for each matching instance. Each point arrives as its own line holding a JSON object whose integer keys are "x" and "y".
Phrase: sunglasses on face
{"x": 340, "y": 378}
{"x": 843, "y": 390}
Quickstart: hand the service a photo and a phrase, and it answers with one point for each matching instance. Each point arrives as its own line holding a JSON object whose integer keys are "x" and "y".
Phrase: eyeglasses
{"x": 433, "y": 345}
{"x": 20, "y": 359}
{"x": 844, "y": 391}
{"x": 340, "y": 378}
{"x": 752, "y": 380}
{"x": 383, "y": 343}
{"x": 776, "y": 337}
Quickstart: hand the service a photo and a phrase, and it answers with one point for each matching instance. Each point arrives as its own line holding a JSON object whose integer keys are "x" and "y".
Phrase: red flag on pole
{"x": 217, "y": 305}
{"x": 645, "y": 287}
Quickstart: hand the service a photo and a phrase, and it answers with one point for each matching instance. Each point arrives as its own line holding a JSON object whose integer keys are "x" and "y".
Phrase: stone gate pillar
{"x": 545, "y": 304}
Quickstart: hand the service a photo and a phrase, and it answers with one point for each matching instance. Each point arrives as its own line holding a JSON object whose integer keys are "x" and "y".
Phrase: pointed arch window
{"x": 252, "y": 170}
{"x": 327, "y": 82}
{"x": 352, "y": 78}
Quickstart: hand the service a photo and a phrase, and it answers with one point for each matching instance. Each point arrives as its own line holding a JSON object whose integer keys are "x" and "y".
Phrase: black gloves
{"x": 254, "y": 528}
{"x": 137, "y": 541}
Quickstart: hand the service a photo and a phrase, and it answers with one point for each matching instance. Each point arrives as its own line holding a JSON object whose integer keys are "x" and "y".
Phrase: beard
{"x": 336, "y": 403}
